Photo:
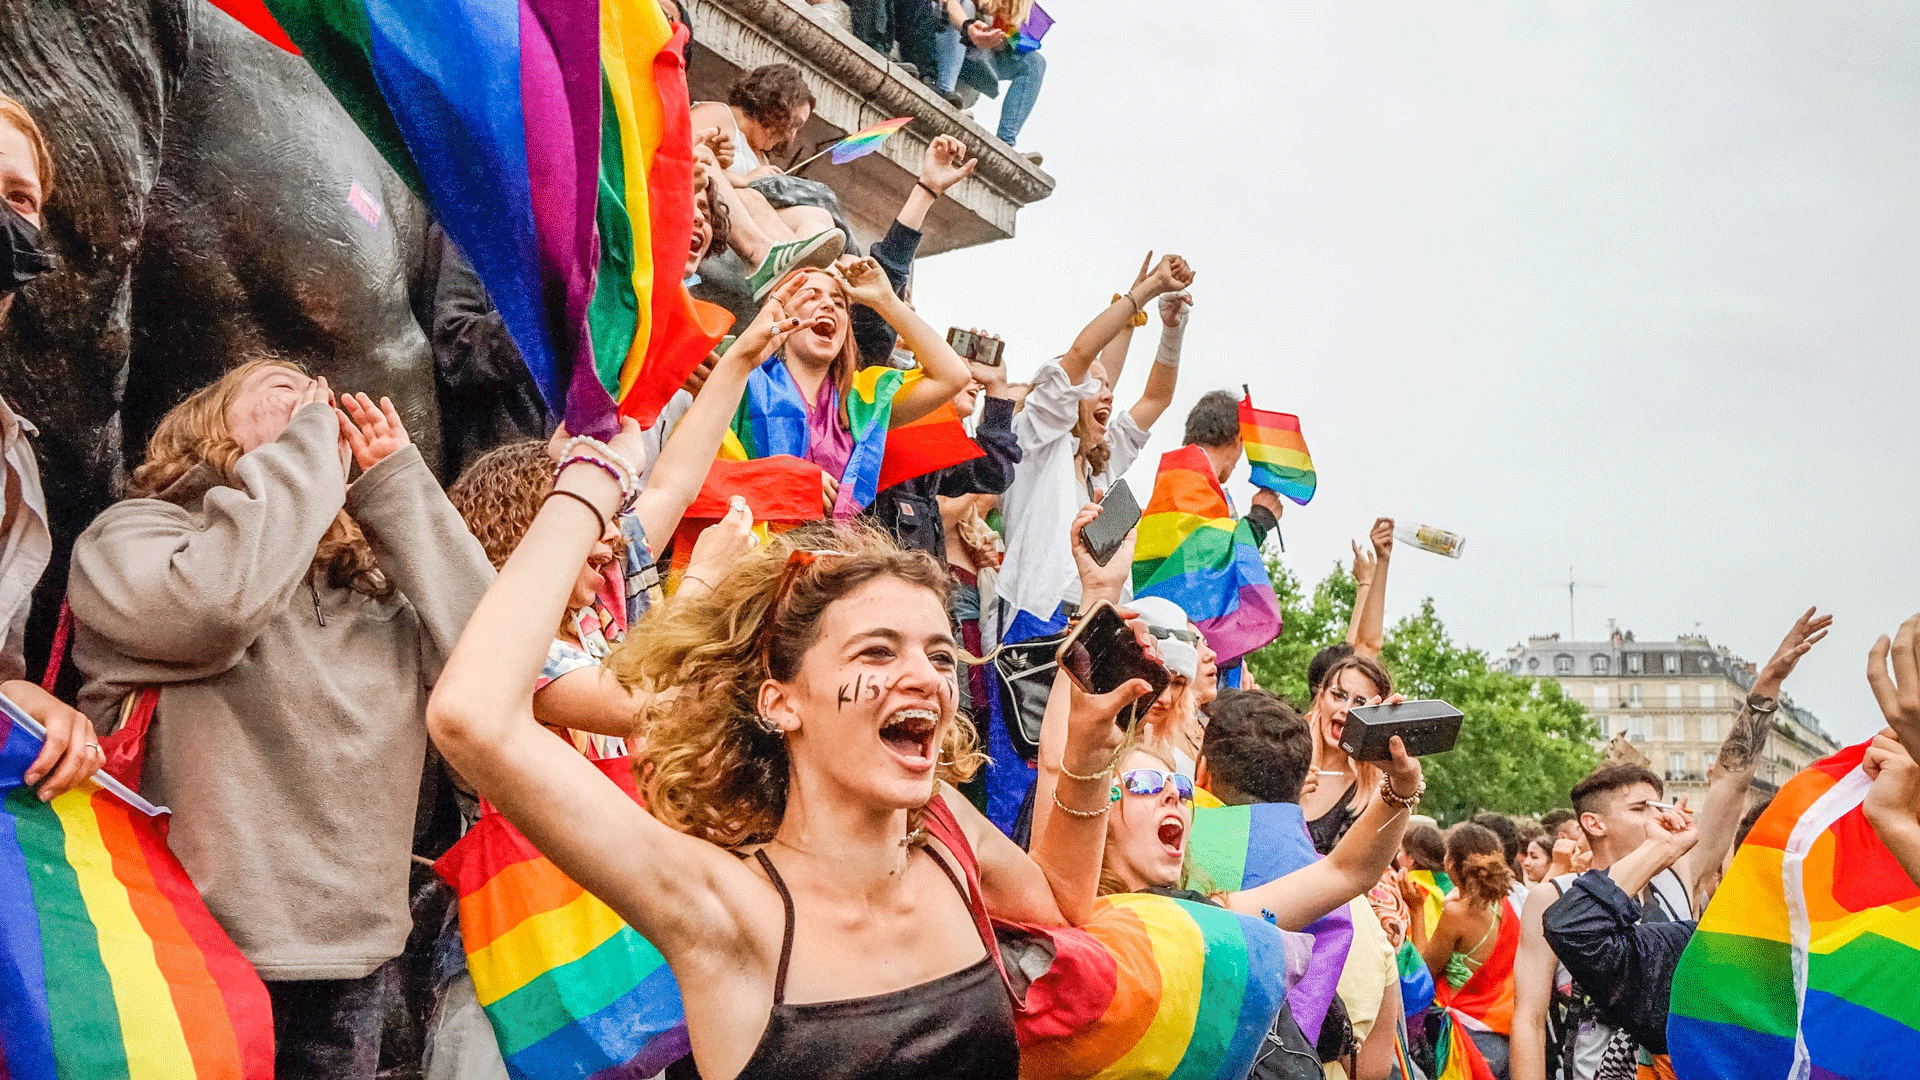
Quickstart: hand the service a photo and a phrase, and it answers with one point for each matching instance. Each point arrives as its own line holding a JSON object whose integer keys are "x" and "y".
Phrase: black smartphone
{"x": 1427, "y": 727}
{"x": 1119, "y": 513}
{"x": 979, "y": 348}
{"x": 1102, "y": 654}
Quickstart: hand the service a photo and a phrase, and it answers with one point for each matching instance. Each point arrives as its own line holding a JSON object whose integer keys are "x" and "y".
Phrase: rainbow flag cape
{"x": 570, "y": 989}
{"x": 1805, "y": 962}
{"x": 1437, "y": 886}
{"x": 936, "y": 441}
{"x": 1239, "y": 847}
{"x": 866, "y": 140}
{"x": 1153, "y": 987}
{"x": 492, "y": 112}
{"x": 1277, "y": 452}
{"x": 1192, "y": 551}
{"x": 110, "y": 965}
{"x": 772, "y": 419}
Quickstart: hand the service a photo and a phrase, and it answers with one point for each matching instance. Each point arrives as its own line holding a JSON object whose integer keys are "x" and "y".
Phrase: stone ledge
{"x": 856, "y": 87}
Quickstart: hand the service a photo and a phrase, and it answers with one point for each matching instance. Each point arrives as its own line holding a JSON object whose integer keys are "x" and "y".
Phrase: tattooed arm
{"x": 1726, "y": 796}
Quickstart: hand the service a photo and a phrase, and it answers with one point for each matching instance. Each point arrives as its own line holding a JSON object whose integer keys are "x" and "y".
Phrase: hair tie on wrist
{"x": 583, "y": 501}
{"x": 1139, "y": 313}
{"x": 937, "y": 195}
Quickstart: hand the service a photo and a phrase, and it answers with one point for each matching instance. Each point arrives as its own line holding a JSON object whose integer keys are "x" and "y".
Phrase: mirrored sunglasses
{"x": 1153, "y": 782}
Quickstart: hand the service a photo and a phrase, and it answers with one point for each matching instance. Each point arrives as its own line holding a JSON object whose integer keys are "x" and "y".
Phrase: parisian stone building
{"x": 1672, "y": 702}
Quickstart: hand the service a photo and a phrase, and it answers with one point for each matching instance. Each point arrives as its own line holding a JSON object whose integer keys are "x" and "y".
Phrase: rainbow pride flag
{"x": 1150, "y": 988}
{"x": 1277, "y": 452}
{"x": 772, "y": 419}
{"x": 492, "y": 112}
{"x": 1239, "y": 847}
{"x": 1192, "y": 551}
{"x": 1805, "y": 962}
{"x": 571, "y": 990}
{"x": 866, "y": 140}
{"x": 110, "y": 965}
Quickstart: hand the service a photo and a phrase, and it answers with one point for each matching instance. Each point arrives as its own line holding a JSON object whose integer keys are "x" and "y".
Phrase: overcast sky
{"x": 1624, "y": 287}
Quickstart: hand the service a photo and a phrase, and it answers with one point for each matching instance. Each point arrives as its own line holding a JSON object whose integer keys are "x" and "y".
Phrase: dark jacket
{"x": 910, "y": 511}
{"x": 894, "y": 252}
{"x": 1622, "y": 957}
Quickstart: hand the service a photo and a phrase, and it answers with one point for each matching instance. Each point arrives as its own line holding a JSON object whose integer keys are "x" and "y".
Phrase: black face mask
{"x": 24, "y": 260}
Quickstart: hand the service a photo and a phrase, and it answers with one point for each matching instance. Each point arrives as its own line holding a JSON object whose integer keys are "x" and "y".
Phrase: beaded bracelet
{"x": 628, "y": 476}
{"x": 1407, "y": 802}
{"x": 597, "y": 462}
{"x": 1071, "y": 812}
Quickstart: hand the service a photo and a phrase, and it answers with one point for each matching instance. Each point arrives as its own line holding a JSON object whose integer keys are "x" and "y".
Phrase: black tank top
{"x": 1327, "y": 829}
{"x": 958, "y": 1026}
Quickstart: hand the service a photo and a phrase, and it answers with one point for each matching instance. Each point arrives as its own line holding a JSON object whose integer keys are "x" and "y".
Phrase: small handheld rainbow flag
{"x": 866, "y": 140}
{"x": 1193, "y": 552}
{"x": 110, "y": 964}
{"x": 1277, "y": 452}
{"x": 1805, "y": 962}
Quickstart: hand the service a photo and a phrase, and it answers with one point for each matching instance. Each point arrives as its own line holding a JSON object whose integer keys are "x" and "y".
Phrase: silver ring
{"x": 94, "y": 746}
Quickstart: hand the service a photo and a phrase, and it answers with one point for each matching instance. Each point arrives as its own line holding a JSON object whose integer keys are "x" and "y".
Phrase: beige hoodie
{"x": 290, "y": 732}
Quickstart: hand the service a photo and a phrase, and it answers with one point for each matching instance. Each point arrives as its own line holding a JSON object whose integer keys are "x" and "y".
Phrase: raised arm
{"x": 688, "y": 453}
{"x": 1726, "y": 796}
{"x": 1893, "y": 800}
{"x": 1169, "y": 274}
{"x": 220, "y": 579}
{"x": 944, "y": 164}
{"x": 944, "y": 373}
{"x": 680, "y": 893}
{"x": 1354, "y": 865}
{"x": 1368, "y": 633}
{"x": 1175, "y": 309}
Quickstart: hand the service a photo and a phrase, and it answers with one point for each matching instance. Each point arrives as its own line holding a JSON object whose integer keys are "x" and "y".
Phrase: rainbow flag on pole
{"x": 1804, "y": 964}
{"x": 1192, "y": 551}
{"x": 1277, "y": 452}
{"x": 1239, "y": 847}
{"x": 866, "y": 140}
{"x": 492, "y": 112}
{"x": 570, "y": 989}
{"x": 110, "y": 965}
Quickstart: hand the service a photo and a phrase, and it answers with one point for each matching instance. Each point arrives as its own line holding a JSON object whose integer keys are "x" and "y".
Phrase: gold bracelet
{"x": 1101, "y": 775}
{"x": 1071, "y": 812}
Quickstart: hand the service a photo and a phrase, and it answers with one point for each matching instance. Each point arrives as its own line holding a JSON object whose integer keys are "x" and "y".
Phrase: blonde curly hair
{"x": 195, "y": 434}
{"x": 709, "y": 770}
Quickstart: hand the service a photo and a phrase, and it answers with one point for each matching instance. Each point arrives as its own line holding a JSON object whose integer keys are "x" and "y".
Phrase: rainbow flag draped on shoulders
{"x": 1192, "y": 551}
{"x": 492, "y": 113}
{"x": 110, "y": 964}
{"x": 571, "y": 989}
{"x": 1277, "y": 452}
{"x": 1804, "y": 964}
{"x": 1239, "y": 847}
{"x": 772, "y": 420}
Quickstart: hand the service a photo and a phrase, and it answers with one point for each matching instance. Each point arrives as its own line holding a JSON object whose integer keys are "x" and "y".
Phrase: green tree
{"x": 1524, "y": 743}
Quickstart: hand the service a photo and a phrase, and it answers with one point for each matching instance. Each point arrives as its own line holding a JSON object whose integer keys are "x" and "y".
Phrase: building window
{"x": 1633, "y": 663}
{"x": 1600, "y": 665}
{"x": 1676, "y": 766}
{"x": 1670, "y": 663}
{"x": 1710, "y": 729}
{"x": 1601, "y": 698}
{"x": 1637, "y": 728}
{"x": 1633, "y": 694}
{"x": 1513, "y": 666}
{"x": 1533, "y": 663}
{"x": 1676, "y": 729}
{"x": 1601, "y": 720}
{"x": 1706, "y": 695}
{"x": 1563, "y": 664}
{"x": 1673, "y": 695}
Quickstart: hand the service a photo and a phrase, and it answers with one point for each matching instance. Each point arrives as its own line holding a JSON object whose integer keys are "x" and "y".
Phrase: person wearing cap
{"x": 1174, "y": 723}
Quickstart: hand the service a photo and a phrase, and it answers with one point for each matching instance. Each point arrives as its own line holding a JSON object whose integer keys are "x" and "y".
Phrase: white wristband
{"x": 1169, "y": 353}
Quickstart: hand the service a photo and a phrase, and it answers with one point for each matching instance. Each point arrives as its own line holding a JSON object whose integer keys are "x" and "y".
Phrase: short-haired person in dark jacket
{"x": 1600, "y": 932}
{"x": 911, "y": 510}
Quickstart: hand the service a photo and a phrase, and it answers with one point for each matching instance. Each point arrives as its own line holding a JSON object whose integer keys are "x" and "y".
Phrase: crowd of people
{"x": 342, "y": 662}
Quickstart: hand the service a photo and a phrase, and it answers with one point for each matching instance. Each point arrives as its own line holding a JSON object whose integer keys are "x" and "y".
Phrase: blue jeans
{"x": 1022, "y": 72}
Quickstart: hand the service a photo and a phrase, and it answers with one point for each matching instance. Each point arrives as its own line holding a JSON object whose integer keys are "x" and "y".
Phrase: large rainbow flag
{"x": 1277, "y": 452}
{"x": 1804, "y": 964}
{"x": 1192, "y": 551}
{"x": 571, "y": 990}
{"x": 1239, "y": 847}
{"x": 492, "y": 112}
{"x": 110, "y": 965}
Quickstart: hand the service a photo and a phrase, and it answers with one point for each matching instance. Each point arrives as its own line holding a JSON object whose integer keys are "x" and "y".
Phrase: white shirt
{"x": 1038, "y": 507}
{"x": 26, "y": 543}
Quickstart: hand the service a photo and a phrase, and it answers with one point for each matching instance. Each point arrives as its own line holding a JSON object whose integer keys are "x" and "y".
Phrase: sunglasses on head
{"x": 797, "y": 561}
{"x": 1153, "y": 782}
